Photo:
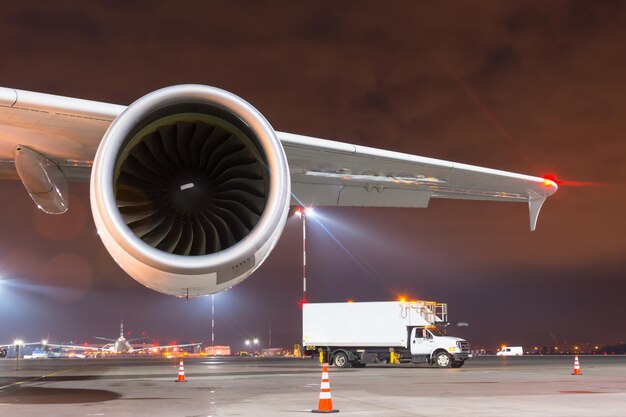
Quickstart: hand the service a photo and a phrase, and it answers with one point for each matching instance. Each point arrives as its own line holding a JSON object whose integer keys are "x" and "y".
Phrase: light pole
{"x": 212, "y": 324}
{"x": 303, "y": 213}
{"x": 17, "y": 344}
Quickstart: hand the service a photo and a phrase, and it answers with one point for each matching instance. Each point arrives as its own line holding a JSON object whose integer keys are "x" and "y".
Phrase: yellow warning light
{"x": 350, "y": 300}
{"x": 402, "y": 299}
{"x": 547, "y": 182}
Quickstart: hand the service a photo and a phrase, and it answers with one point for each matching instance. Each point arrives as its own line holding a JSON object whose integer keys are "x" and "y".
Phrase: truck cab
{"x": 430, "y": 345}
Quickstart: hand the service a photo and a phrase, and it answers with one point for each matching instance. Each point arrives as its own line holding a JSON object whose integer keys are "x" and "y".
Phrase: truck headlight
{"x": 452, "y": 349}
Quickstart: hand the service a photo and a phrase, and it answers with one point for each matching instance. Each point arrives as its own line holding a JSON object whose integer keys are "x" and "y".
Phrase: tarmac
{"x": 485, "y": 386}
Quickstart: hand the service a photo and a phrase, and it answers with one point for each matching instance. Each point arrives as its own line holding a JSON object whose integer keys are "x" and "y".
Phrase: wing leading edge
{"x": 68, "y": 131}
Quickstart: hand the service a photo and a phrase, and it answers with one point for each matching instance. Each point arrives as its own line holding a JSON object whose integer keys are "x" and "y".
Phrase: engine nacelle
{"x": 190, "y": 190}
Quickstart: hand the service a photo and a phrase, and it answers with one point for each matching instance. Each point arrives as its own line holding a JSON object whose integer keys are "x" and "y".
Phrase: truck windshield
{"x": 435, "y": 331}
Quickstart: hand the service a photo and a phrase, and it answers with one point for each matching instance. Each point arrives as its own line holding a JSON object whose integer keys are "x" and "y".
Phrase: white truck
{"x": 355, "y": 334}
{"x": 511, "y": 351}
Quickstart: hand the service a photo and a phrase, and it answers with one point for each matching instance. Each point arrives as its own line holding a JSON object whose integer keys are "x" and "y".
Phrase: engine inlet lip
{"x": 114, "y": 139}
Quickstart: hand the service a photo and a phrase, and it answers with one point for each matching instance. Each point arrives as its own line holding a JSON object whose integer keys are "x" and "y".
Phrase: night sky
{"x": 531, "y": 87}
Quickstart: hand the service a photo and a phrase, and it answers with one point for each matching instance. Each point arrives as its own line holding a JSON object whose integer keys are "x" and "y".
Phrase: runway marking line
{"x": 36, "y": 378}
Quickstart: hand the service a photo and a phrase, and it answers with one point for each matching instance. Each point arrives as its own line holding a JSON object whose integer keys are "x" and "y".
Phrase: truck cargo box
{"x": 367, "y": 324}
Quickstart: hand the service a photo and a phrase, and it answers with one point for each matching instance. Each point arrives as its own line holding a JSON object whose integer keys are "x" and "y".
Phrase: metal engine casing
{"x": 184, "y": 274}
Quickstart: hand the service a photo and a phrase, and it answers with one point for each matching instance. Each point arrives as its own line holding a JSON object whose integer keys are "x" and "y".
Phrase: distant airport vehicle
{"x": 510, "y": 351}
{"x": 45, "y": 352}
{"x": 355, "y": 334}
{"x": 191, "y": 185}
{"x": 121, "y": 345}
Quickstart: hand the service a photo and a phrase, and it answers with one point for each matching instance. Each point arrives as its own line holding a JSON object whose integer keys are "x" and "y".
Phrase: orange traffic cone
{"x": 576, "y": 366}
{"x": 181, "y": 372}
{"x": 325, "y": 404}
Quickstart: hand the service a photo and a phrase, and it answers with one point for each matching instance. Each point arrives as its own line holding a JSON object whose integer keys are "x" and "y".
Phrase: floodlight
{"x": 247, "y": 342}
{"x": 309, "y": 211}
{"x": 255, "y": 341}
{"x": 18, "y": 342}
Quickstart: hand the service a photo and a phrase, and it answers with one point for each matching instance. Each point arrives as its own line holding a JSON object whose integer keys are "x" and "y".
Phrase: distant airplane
{"x": 191, "y": 186}
{"x": 121, "y": 345}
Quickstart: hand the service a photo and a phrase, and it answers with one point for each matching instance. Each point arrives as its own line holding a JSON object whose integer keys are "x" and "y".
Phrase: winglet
{"x": 535, "y": 201}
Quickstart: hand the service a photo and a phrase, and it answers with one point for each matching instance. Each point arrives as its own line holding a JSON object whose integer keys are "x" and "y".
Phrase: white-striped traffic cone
{"x": 576, "y": 366}
{"x": 181, "y": 372}
{"x": 325, "y": 404}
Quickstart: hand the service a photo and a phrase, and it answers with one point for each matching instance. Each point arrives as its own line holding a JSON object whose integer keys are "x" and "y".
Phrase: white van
{"x": 511, "y": 351}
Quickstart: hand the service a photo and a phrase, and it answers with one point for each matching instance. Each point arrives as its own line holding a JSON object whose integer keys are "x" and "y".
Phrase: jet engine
{"x": 190, "y": 190}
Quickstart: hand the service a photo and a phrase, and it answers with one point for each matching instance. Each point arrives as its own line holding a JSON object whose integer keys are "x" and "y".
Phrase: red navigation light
{"x": 560, "y": 182}
{"x": 550, "y": 179}
{"x": 302, "y": 302}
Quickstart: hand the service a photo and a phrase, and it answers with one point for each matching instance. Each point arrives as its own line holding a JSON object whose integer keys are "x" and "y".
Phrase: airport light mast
{"x": 303, "y": 213}
{"x": 17, "y": 344}
{"x": 212, "y": 324}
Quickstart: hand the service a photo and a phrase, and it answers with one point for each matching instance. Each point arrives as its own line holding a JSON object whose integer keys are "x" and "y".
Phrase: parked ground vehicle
{"x": 510, "y": 351}
{"x": 355, "y": 334}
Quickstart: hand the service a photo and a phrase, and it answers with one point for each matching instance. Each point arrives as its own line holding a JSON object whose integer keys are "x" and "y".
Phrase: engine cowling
{"x": 190, "y": 190}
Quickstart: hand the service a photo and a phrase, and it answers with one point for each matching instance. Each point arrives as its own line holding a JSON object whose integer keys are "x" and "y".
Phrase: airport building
{"x": 217, "y": 350}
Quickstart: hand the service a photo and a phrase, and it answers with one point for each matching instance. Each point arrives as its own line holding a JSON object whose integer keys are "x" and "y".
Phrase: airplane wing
{"x": 105, "y": 339}
{"x": 191, "y": 185}
{"x": 166, "y": 347}
{"x": 67, "y": 131}
{"x": 75, "y": 347}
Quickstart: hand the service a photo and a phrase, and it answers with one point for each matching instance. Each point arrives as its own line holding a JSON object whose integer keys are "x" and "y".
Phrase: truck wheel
{"x": 457, "y": 364}
{"x": 340, "y": 360}
{"x": 443, "y": 360}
